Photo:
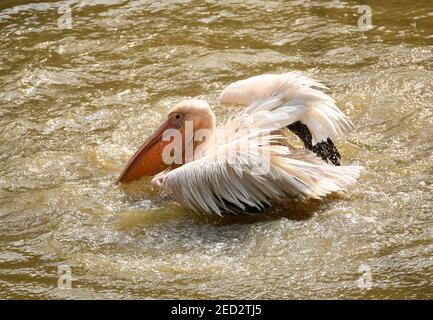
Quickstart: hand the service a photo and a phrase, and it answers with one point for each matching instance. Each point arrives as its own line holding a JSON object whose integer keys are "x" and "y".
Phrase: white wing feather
{"x": 297, "y": 95}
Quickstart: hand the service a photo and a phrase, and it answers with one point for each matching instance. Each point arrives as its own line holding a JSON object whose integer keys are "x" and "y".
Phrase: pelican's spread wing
{"x": 228, "y": 179}
{"x": 314, "y": 117}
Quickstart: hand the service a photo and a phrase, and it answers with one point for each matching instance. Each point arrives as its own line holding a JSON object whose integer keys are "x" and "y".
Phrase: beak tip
{"x": 121, "y": 179}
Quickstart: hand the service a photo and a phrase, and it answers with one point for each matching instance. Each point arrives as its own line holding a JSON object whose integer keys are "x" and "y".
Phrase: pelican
{"x": 246, "y": 163}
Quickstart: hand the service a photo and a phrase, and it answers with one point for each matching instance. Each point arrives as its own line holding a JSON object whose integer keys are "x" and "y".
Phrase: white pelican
{"x": 246, "y": 162}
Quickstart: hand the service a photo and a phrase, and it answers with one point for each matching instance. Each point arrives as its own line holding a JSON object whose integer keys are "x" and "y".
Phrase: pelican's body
{"x": 245, "y": 162}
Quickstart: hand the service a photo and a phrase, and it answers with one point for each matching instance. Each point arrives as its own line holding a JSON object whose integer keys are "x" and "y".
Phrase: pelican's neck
{"x": 212, "y": 121}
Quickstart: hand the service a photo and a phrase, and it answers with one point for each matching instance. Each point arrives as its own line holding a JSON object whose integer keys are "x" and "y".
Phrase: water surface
{"x": 76, "y": 103}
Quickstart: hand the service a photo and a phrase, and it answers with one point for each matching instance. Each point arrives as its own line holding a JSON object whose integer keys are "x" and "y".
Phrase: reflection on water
{"x": 75, "y": 103}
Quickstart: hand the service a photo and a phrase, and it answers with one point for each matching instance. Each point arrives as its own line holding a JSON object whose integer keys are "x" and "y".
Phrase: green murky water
{"x": 75, "y": 103}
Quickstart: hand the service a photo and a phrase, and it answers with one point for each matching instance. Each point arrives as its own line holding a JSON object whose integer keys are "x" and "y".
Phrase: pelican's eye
{"x": 177, "y": 116}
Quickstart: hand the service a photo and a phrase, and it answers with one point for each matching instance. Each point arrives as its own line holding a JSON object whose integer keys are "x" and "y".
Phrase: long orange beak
{"x": 147, "y": 161}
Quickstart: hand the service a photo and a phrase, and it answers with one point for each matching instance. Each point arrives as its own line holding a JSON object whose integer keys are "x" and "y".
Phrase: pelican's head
{"x": 184, "y": 120}
{"x": 195, "y": 111}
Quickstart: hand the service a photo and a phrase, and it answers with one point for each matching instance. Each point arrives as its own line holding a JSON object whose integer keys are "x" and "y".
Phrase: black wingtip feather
{"x": 324, "y": 149}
